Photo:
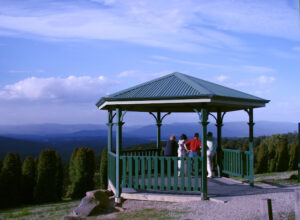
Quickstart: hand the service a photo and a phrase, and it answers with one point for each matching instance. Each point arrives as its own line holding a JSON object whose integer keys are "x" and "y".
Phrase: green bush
{"x": 46, "y": 187}
{"x": 82, "y": 168}
{"x": 10, "y": 181}
{"x": 103, "y": 169}
{"x": 28, "y": 180}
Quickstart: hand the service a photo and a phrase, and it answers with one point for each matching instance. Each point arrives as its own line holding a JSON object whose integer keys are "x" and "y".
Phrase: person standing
{"x": 171, "y": 147}
{"x": 193, "y": 146}
{"x": 211, "y": 151}
{"x": 182, "y": 152}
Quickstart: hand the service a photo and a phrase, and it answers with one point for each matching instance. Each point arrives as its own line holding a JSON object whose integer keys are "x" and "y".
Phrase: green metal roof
{"x": 179, "y": 86}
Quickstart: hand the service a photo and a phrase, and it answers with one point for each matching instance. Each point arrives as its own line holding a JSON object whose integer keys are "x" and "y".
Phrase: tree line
{"x": 46, "y": 179}
{"x": 271, "y": 153}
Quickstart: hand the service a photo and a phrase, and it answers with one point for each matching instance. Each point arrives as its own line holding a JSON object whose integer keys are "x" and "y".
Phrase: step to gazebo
{"x": 164, "y": 197}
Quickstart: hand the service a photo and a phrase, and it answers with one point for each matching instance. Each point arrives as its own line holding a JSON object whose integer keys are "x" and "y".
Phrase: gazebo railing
{"x": 142, "y": 152}
{"x": 236, "y": 163}
{"x": 160, "y": 173}
{"x": 111, "y": 169}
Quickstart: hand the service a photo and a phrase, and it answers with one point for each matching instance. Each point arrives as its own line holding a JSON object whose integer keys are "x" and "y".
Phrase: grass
{"x": 44, "y": 211}
{"x": 286, "y": 178}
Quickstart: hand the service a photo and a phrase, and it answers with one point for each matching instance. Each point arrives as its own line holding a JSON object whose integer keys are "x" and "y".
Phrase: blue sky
{"x": 57, "y": 58}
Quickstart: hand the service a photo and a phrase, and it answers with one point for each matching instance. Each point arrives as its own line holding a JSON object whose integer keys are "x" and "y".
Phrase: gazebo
{"x": 176, "y": 92}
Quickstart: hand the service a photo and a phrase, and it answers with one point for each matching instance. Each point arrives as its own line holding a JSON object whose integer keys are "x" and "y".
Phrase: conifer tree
{"x": 10, "y": 181}
{"x": 262, "y": 159}
{"x": 28, "y": 180}
{"x": 59, "y": 176}
{"x": 46, "y": 187}
{"x": 82, "y": 168}
{"x": 293, "y": 164}
{"x": 103, "y": 169}
{"x": 282, "y": 155}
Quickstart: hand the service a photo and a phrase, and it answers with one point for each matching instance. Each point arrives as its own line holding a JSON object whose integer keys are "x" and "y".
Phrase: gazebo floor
{"x": 219, "y": 190}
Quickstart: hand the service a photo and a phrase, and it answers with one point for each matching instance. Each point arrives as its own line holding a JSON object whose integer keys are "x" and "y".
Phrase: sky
{"x": 58, "y": 58}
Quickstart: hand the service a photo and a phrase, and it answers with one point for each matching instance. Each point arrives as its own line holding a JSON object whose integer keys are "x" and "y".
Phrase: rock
{"x": 88, "y": 206}
{"x": 95, "y": 202}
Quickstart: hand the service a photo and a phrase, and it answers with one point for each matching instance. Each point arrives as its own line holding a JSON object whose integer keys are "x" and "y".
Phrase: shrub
{"x": 28, "y": 180}
{"x": 82, "y": 168}
{"x": 10, "y": 181}
{"x": 103, "y": 169}
{"x": 46, "y": 187}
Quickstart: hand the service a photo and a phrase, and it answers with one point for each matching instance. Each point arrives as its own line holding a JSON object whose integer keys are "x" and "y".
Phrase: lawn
{"x": 45, "y": 211}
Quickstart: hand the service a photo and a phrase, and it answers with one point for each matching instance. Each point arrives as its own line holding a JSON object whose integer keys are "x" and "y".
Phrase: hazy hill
{"x": 60, "y": 131}
{"x": 31, "y": 139}
{"x": 23, "y": 147}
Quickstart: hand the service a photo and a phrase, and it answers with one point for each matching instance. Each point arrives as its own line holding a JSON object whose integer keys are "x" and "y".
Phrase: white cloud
{"x": 260, "y": 82}
{"x": 128, "y": 73}
{"x": 296, "y": 49}
{"x": 70, "y": 89}
{"x": 265, "y": 79}
{"x": 270, "y": 18}
{"x": 258, "y": 69}
{"x": 236, "y": 68}
{"x": 174, "y": 25}
{"x": 221, "y": 78}
{"x": 183, "y": 25}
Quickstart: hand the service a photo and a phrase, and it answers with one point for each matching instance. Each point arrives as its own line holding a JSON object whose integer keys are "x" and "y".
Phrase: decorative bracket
{"x": 219, "y": 118}
{"x": 201, "y": 118}
{"x": 250, "y": 114}
{"x": 111, "y": 116}
{"x": 122, "y": 116}
{"x": 157, "y": 118}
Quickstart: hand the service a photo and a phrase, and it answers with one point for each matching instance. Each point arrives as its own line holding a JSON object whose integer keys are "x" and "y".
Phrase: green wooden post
{"x": 109, "y": 139}
{"x": 298, "y": 152}
{"x": 219, "y": 125}
{"x": 119, "y": 125}
{"x": 204, "y": 123}
{"x": 158, "y": 120}
{"x": 158, "y": 124}
{"x": 251, "y": 151}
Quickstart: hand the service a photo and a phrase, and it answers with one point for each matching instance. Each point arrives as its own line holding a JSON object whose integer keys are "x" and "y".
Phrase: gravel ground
{"x": 239, "y": 207}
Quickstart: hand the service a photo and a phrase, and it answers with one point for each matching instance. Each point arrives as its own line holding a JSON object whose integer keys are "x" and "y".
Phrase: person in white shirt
{"x": 182, "y": 152}
{"x": 211, "y": 150}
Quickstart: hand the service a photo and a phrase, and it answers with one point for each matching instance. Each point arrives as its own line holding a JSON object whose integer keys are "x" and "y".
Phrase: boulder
{"x": 95, "y": 202}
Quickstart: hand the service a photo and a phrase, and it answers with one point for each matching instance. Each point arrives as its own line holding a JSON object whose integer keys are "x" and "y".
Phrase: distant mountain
{"x": 230, "y": 129}
{"x": 46, "y": 132}
{"x": 47, "y": 129}
{"x": 31, "y": 139}
{"x": 23, "y": 147}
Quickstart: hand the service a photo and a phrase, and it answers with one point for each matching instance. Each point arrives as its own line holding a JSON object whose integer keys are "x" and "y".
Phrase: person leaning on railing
{"x": 171, "y": 147}
{"x": 193, "y": 146}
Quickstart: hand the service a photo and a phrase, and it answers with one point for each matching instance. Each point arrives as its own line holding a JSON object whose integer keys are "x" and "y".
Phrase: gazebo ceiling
{"x": 177, "y": 92}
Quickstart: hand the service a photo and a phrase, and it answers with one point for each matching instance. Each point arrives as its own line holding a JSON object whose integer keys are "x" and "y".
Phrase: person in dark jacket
{"x": 171, "y": 147}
